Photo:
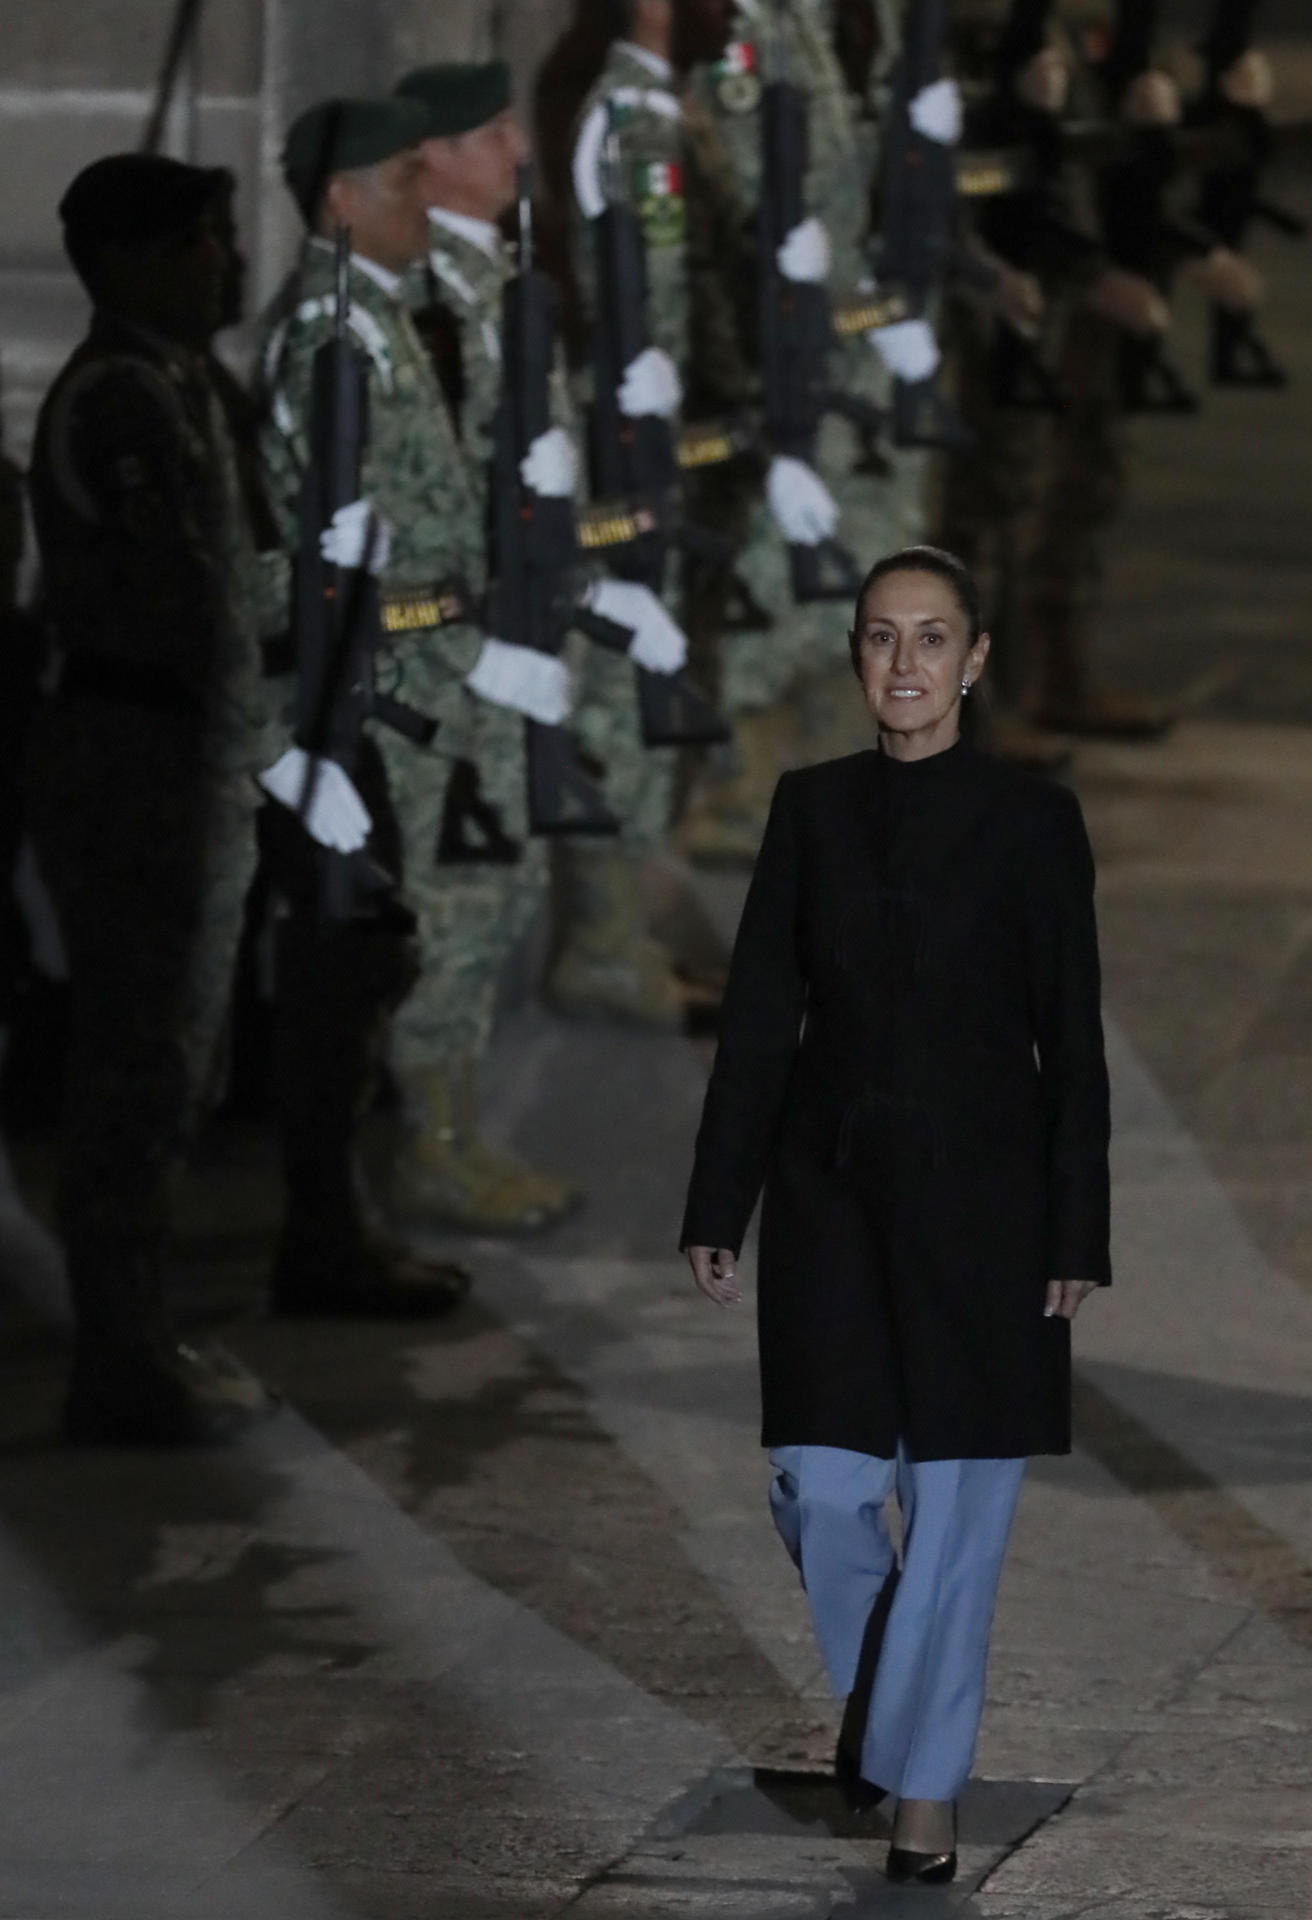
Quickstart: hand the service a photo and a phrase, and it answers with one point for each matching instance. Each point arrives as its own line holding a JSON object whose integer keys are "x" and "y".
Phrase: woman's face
{"x": 914, "y": 652}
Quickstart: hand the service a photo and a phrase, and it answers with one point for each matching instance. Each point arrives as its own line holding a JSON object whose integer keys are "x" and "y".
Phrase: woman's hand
{"x": 716, "y": 1272}
{"x": 1065, "y": 1296}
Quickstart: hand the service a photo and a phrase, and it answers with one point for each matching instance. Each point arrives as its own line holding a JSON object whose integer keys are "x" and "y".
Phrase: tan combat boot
{"x": 451, "y": 1177}
{"x": 727, "y": 814}
{"x": 608, "y": 966}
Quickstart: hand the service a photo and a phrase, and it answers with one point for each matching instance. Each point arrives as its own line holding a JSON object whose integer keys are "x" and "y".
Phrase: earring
{"x": 965, "y": 687}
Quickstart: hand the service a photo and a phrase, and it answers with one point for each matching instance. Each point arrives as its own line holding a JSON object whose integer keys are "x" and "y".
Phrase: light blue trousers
{"x": 928, "y": 1690}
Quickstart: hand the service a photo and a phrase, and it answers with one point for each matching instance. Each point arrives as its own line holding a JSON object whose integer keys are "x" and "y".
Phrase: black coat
{"x": 911, "y": 1061}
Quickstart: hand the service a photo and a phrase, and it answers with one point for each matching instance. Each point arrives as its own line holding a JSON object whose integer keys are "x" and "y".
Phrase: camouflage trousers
{"x": 881, "y": 489}
{"x": 1083, "y": 476}
{"x": 755, "y": 663}
{"x": 1028, "y": 509}
{"x": 148, "y": 858}
{"x": 879, "y": 512}
{"x": 470, "y": 916}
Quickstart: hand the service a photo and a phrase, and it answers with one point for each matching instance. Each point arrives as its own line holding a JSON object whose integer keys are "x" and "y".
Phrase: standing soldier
{"x": 634, "y": 137}
{"x": 1067, "y": 471}
{"x": 880, "y": 488}
{"x": 144, "y": 802}
{"x": 355, "y": 164}
{"x": 607, "y": 962}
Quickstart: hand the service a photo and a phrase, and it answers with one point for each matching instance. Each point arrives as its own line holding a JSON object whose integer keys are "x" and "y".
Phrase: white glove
{"x": 551, "y": 465}
{"x": 336, "y": 816}
{"x": 908, "y": 348}
{"x": 355, "y": 531}
{"x": 936, "y": 112}
{"x": 804, "y": 255}
{"x": 535, "y": 684}
{"x": 651, "y": 384}
{"x": 658, "y": 643}
{"x": 804, "y": 510}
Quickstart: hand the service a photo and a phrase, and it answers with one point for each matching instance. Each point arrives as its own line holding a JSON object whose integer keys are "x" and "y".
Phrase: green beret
{"x": 138, "y": 200}
{"x": 459, "y": 96}
{"x": 337, "y": 136}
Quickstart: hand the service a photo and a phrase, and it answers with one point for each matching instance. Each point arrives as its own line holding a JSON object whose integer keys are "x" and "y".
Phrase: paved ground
{"x": 490, "y": 1624}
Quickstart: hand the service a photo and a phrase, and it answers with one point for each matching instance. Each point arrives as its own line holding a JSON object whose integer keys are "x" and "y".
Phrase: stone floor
{"x": 489, "y": 1623}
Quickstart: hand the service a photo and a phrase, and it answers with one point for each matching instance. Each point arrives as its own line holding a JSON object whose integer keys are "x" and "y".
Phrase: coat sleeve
{"x": 1065, "y": 987}
{"x": 760, "y": 1026}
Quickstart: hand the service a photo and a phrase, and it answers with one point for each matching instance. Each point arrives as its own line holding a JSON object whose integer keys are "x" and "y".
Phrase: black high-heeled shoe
{"x": 927, "y": 1869}
{"x": 906, "y": 1866}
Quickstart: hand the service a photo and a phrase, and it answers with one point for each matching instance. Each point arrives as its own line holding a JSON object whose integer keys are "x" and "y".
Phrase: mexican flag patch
{"x": 737, "y": 77}
{"x": 658, "y": 196}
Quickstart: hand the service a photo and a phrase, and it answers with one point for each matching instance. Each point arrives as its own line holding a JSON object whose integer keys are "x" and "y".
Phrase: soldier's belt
{"x": 446, "y": 603}
{"x": 985, "y": 175}
{"x": 612, "y": 524}
{"x": 710, "y": 444}
{"x": 858, "y": 313}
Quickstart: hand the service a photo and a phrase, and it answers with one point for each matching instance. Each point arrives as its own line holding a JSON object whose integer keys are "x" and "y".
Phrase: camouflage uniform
{"x": 600, "y": 891}
{"x": 877, "y": 512}
{"x": 143, "y": 798}
{"x": 648, "y": 127}
{"x": 469, "y": 915}
{"x": 469, "y": 284}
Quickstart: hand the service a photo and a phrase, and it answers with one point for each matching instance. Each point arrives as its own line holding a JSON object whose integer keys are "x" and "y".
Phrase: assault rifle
{"x": 635, "y": 463}
{"x": 336, "y": 614}
{"x": 795, "y": 328}
{"x": 917, "y": 247}
{"x": 1231, "y": 201}
{"x": 534, "y": 549}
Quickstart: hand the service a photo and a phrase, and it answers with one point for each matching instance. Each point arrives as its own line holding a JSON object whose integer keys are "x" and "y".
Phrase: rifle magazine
{"x": 472, "y": 832}
{"x": 563, "y": 797}
{"x": 825, "y": 571}
{"x": 675, "y": 713}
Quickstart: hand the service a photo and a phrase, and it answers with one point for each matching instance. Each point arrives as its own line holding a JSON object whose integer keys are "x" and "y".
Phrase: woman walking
{"x": 911, "y": 1063}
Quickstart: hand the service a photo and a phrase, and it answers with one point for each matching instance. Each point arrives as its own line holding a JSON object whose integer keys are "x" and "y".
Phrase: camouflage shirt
{"x": 146, "y": 519}
{"x": 642, "y": 107}
{"x": 796, "y": 45}
{"x": 415, "y": 472}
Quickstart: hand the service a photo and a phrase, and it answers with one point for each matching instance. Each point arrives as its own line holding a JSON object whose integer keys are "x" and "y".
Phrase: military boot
{"x": 449, "y": 1176}
{"x": 833, "y": 718}
{"x": 726, "y": 816}
{"x": 334, "y": 1255}
{"x": 608, "y": 966}
{"x": 133, "y": 1382}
